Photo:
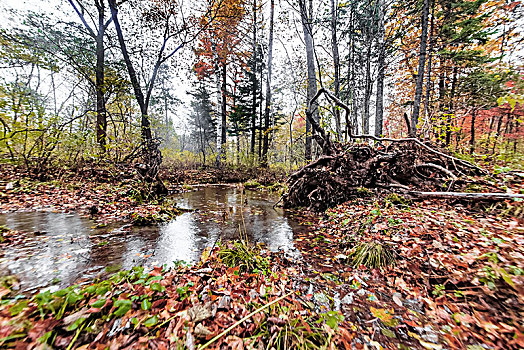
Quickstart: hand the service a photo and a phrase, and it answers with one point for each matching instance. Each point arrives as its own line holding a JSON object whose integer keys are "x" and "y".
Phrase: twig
{"x": 242, "y": 320}
{"x": 438, "y": 167}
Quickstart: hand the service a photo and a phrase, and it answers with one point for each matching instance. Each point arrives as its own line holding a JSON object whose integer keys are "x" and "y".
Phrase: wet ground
{"x": 63, "y": 248}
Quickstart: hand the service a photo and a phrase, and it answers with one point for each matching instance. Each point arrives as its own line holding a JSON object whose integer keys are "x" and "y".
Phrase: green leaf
{"x": 99, "y": 303}
{"x": 76, "y": 324}
{"x": 146, "y": 304}
{"x": 18, "y": 307}
{"x": 505, "y": 275}
{"x": 150, "y": 322}
{"x": 44, "y": 339}
{"x": 388, "y": 333}
{"x": 157, "y": 287}
{"x": 123, "y": 306}
{"x": 102, "y": 289}
{"x": 154, "y": 278}
{"x": 73, "y": 298}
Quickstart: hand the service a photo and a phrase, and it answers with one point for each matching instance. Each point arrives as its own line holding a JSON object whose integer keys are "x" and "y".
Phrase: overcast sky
{"x": 181, "y": 84}
{"x": 49, "y": 6}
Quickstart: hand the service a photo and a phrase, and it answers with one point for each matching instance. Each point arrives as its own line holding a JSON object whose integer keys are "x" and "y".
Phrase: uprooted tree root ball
{"x": 402, "y": 166}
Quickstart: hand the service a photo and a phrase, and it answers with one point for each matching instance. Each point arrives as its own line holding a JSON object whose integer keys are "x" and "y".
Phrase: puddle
{"x": 66, "y": 249}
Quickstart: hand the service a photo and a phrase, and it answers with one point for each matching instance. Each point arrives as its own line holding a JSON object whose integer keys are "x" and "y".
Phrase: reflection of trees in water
{"x": 61, "y": 252}
{"x": 178, "y": 241}
{"x": 42, "y": 258}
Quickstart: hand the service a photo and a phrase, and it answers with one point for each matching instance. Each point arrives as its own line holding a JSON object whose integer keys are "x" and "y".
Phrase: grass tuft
{"x": 372, "y": 255}
{"x": 244, "y": 255}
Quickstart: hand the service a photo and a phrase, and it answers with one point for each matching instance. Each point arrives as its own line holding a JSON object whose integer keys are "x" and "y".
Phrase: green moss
{"x": 395, "y": 198}
{"x": 473, "y": 188}
{"x": 364, "y": 192}
{"x": 252, "y": 184}
{"x": 163, "y": 215}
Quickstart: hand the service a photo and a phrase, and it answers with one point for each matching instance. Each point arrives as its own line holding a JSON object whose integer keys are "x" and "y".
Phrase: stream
{"x": 65, "y": 248}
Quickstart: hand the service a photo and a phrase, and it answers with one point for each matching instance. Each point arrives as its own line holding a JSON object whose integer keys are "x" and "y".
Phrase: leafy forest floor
{"x": 440, "y": 275}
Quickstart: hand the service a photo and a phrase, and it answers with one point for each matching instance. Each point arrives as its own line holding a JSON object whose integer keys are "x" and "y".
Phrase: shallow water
{"x": 64, "y": 248}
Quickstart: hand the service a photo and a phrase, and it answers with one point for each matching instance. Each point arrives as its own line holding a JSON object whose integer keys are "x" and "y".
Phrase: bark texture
{"x": 421, "y": 65}
{"x": 267, "y": 111}
{"x": 306, "y": 14}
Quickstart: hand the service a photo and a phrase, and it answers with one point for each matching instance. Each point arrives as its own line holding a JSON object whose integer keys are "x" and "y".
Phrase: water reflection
{"x": 67, "y": 249}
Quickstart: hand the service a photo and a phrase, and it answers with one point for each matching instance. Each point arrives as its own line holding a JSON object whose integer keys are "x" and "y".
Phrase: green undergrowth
{"x": 277, "y": 187}
{"x": 3, "y": 231}
{"x": 149, "y": 304}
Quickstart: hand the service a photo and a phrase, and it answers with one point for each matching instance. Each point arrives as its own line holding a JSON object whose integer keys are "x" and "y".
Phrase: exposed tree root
{"x": 405, "y": 165}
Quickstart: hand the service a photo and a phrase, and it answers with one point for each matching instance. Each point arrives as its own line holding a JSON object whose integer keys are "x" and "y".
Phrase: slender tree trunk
{"x": 336, "y": 64}
{"x": 472, "y": 141}
{"x": 254, "y": 82}
{"x": 223, "y": 113}
{"x": 311, "y": 72}
{"x": 497, "y": 134}
{"x": 379, "y": 111}
{"x": 421, "y": 65}
{"x": 367, "y": 94}
{"x": 451, "y": 105}
{"x": 267, "y": 112}
{"x": 354, "y": 92}
{"x": 98, "y": 36}
{"x": 144, "y": 123}
{"x": 101, "y": 120}
{"x": 260, "y": 115}
{"x": 429, "y": 84}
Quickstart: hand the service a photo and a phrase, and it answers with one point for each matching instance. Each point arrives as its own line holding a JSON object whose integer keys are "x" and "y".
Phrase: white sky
{"x": 51, "y": 6}
{"x": 285, "y": 30}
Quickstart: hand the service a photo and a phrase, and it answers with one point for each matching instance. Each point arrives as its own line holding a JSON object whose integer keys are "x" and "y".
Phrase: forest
{"x": 262, "y": 174}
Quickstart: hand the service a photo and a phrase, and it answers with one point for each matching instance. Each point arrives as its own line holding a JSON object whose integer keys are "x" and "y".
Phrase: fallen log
{"x": 467, "y": 195}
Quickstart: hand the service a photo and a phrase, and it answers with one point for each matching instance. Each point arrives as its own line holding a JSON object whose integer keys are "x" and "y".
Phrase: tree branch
{"x": 82, "y": 18}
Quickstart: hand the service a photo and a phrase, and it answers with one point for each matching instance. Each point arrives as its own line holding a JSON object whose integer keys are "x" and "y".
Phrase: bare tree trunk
{"x": 98, "y": 36}
{"x": 336, "y": 63}
{"x": 260, "y": 127}
{"x": 429, "y": 84}
{"x": 367, "y": 93}
{"x": 379, "y": 111}
{"x": 421, "y": 65}
{"x": 451, "y": 107}
{"x": 223, "y": 113}
{"x": 152, "y": 154}
{"x": 311, "y": 72}
{"x": 254, "y": 82}
{"x": 268, "y": 86}
{"x": 101, "y": 120}
{"x": 145, "y": 124}
{"x": 472, "y": 141}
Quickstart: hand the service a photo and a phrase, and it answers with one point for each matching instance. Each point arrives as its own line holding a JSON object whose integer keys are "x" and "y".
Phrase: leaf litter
{"x": 453, "y": 278}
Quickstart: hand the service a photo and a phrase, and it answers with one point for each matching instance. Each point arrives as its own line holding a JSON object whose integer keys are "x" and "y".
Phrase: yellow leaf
{"x": 430, "y": 345}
